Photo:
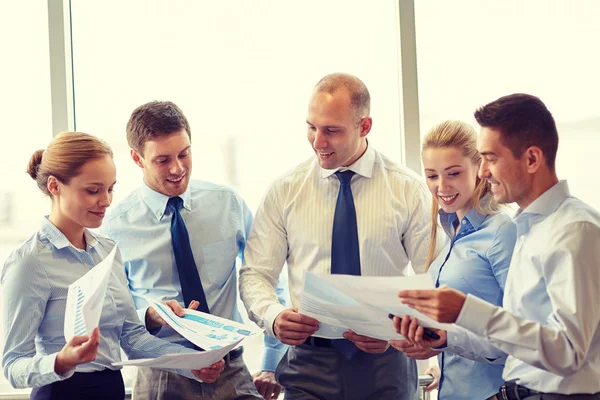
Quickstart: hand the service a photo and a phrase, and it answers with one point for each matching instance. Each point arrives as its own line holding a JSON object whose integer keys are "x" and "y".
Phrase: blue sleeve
{"x": 25, "y": 293}
{"x": 135, "y": 340}
{"x": 501, "y": 251}
{"x": 275, "y": 350}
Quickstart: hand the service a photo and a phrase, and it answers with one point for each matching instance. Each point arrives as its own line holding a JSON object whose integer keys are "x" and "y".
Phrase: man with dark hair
{"x": 180, "y": 239}
{"x": 348, "y": 210}
{"x": 550, "y": 323}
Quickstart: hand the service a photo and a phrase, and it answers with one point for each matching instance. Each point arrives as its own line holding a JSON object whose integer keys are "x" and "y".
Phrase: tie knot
{"x": 345, "y": 176}
{"x": 175, "y": 202}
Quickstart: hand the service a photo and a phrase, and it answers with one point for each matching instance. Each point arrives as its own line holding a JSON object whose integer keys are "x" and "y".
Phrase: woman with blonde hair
{"x": 78, "y": 173}
{"x": 475, "y": 260}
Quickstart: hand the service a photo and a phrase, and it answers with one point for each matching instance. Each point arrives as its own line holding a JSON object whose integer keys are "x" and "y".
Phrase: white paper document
{"x": 86, "y": 297}
{"x": 187, "y": 361}
{"x": 206, "y": 331}
{"x": 361, "y": 303}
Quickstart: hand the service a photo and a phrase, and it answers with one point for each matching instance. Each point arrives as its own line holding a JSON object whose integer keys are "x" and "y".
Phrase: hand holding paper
{"x": 78, "y": 350}
{"x": 293, "y": 328}
{"x": 153, "y": 319}
{"x": 442, "y": 304}
{"x": 206, "y": 331}
{"x": 361, "y": 304}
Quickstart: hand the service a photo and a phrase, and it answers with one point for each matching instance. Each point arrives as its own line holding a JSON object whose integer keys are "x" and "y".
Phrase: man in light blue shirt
{"x": 217, "y": 221}
{"x": 550, "y": 323}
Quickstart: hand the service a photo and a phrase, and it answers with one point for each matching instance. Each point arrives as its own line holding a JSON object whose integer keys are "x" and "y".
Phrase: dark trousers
{"x": 512, "y": 391}
{"x": 99, "y": 385}
{"x": 322, "y": 373}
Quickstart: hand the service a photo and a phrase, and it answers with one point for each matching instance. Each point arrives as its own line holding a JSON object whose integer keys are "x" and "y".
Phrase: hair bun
{"x": 34, "y": 163}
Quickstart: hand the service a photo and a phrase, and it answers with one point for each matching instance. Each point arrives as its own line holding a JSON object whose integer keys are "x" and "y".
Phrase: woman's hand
{"x": 79, "y": 350}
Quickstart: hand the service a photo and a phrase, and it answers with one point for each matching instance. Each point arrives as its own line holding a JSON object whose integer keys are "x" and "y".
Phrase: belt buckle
{"x": 503, "y": 392}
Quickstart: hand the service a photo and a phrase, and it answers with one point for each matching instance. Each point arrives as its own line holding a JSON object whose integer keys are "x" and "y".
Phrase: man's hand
{"x": 266, "y": 384}
{"x": 367, "y": 344}
{"x": 415, "y": 334}
{"x": 293, "y": 328}
{"x": 412, "y": 351}
{"x": 79, "y": 350}
{"x": 434, "y": 371}
{"x": 210, "y": 375}
{"x": 442, "y": 304}
{"x": 153, "y": 319}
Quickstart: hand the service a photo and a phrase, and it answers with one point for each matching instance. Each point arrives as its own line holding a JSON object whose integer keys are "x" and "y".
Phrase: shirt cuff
{"x": 475, "y": 315}
{"x": 269, "y": 318}
{"x": 47, "y": 369}
{"x": 454, "y": 339}
{"x": 142, "y": 316}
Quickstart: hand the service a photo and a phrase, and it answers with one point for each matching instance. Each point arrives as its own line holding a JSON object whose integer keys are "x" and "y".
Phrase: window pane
{"x": 25, "y": 83}
{"x": 471, "y": 52}
{"x": 241, "y": 71}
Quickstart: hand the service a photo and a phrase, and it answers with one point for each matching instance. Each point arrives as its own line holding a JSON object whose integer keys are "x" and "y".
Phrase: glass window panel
{"x": 241, "y": 71}
{"x": 471, "y": 52}
{"x": 26, "y": 124}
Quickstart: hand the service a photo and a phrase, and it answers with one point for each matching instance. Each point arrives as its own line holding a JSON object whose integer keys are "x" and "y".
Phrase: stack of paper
{"x": 188, "y": 361}
{"x": 361, "y": 303}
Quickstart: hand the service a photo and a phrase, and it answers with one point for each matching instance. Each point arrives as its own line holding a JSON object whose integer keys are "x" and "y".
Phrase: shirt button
{"x": 159, "y": 213}
{"x": 522, "y": 237}
{"x": 455, "y": 338}
{"x": 464, "y": 221}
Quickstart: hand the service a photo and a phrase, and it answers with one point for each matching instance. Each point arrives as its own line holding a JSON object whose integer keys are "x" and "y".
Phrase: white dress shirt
{"x": 295, "y": 220}
{"x": 550, "y": 322}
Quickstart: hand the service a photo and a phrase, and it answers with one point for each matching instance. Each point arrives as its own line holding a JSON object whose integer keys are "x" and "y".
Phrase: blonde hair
{"x": 64, "y": 157}
{"x": 461, "y": 136}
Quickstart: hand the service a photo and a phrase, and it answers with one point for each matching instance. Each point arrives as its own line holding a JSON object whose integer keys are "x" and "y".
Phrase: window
{"x": 25, "y": 83}
{"x": 241, "y": 71}
{"x": 472, "y": 52}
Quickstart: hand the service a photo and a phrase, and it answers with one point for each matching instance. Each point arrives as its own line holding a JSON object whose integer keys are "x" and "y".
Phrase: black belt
{"x": 512, "y": 391}
{"x": 236, "y": 353}
{"x": 318, "y": 342}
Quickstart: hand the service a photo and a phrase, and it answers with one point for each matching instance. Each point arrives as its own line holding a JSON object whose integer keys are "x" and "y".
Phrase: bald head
{"x": 360, "y": 100}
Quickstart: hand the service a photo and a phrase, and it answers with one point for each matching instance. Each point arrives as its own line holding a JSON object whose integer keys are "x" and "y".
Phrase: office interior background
{"x": 242, "y": 71}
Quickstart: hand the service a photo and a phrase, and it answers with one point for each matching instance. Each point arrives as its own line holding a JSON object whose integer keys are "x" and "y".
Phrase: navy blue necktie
{"x": 191, "y": 286}
{"x": 345, "y": 256}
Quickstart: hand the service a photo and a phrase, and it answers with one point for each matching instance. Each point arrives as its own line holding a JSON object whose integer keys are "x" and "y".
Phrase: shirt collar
{"x": 157, "y": 202}
{"x": 60, "y": 241}
{"x": 363, "y": 166}
{"x": 447, "y": 219}
{"x": 549, "y": 201}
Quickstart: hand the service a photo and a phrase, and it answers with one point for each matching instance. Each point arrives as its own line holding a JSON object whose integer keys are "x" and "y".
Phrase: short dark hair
{"x": 522, "y": 121}
{"x": 360, "y": 99}
{"x": 153, "y": 119}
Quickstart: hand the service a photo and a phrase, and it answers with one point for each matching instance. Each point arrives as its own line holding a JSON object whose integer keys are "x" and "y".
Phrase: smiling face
{"x": 336, "y": 137}
{"x": 506, "y": 174}
{"x": 82, "y": 202}
{"x": 167, "y": 163}
{"x": 451, "y": 178}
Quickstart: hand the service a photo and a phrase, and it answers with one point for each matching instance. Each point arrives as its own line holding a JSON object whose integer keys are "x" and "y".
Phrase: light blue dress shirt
{"x": 474, "y": 261}
{"x": 550, "y": 320}
{"x": 35, "y": 281}
{"x": 218, "y": 222}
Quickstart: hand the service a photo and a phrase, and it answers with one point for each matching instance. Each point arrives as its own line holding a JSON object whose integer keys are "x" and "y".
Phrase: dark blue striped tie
{"x": 345, "y": 255}
{"x": 191, "y": 286}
